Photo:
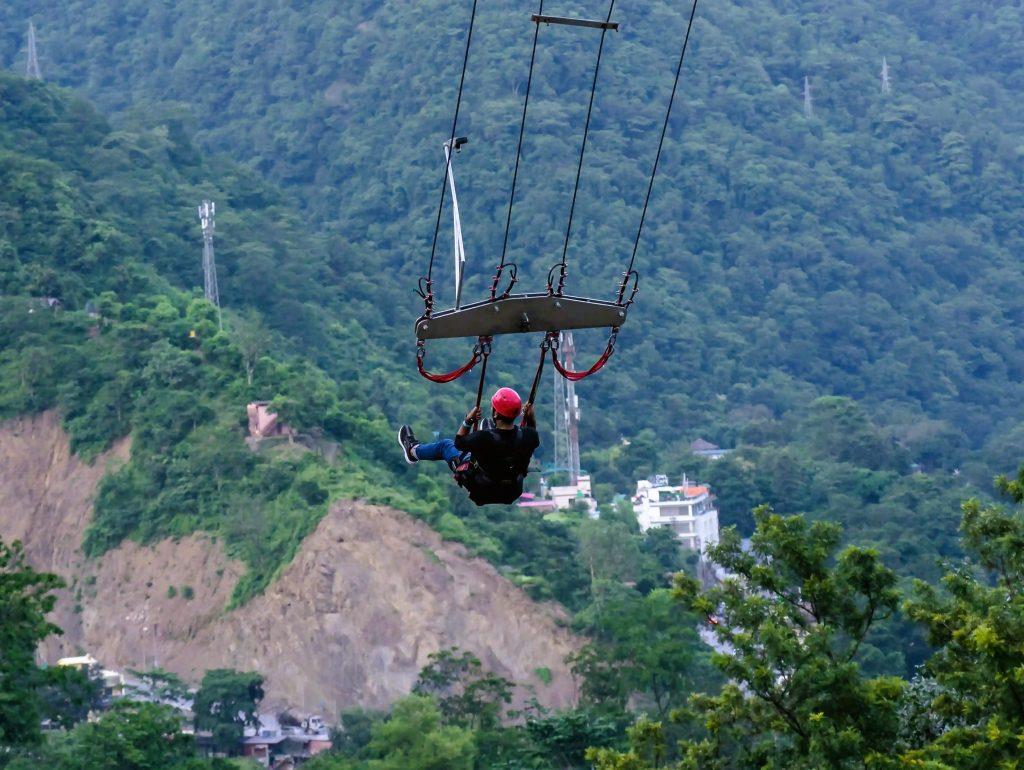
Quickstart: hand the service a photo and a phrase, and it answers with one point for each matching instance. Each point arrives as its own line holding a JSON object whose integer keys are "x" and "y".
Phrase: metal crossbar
{"x": 522, "y": 314}
{"x": 592, "y": 23}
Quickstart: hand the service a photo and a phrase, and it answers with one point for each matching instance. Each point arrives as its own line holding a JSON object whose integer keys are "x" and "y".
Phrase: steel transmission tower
{"x": 567, "y": 414}
{"x": 32, "y": 66}
{"x": 886, "y": 83}
{"x": 207, "y": 212}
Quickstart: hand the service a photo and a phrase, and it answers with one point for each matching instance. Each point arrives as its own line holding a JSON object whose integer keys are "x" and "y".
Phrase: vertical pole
{"x": 32, "y": 66}
{"x": 886, "y": 83}
{"x": 808, "y": 99}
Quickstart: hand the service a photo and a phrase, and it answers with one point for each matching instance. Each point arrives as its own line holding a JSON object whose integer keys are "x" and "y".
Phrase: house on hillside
{"x": 263, "y": 423}
{"x": 112, "y": 682}
{"x": 688, "y": 510}
{"x": 702, "y": 448}
{"x": 565, "y": 497}
{"x": 276, "y": 745}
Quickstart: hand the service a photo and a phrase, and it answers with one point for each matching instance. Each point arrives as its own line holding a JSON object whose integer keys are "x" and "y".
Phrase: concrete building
{"x": 271, "y": 742}
{"x": 113, "y": 682}
{"x": 264, "y": 424}
{"x": 564, "y": 497}
{"x": 702, "y": 448}
{"x": 688, "y": 510}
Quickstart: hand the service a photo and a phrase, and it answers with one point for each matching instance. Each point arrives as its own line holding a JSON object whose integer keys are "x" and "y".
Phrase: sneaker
{"x": 408, "y": 442}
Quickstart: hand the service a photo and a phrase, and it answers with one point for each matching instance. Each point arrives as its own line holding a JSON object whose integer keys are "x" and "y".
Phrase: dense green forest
{"x": 89, "y": 215}
{"x": 830, "y": 289}
{"x": 793, "y": 651}
{"x": 868, "y": 251}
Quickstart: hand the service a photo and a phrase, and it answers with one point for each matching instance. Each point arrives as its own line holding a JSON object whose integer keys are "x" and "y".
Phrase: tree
{"x": 26, "y": 597}
{"x": 227, "y": 701}
{"x": 69, "y": 694}
{"x": 467, "y": 695}
{"x": 838, "y": 428}
{"x": 642, "y": 649}
{"x": 793, "y": 618}
{"x": 131, "y": 736}
{"x": 977, "y": 624}
{"x": 414, "y": 738}
{"x": 161, "y": 684}
{"x": 563, "y": 737}
{"x": 252, "y": 338}
{"x": 609, "y": 551}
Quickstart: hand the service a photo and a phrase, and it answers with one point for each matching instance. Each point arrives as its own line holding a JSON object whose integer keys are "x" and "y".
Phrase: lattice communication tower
{"x": 567, "y": 414}
{"x": 207, "y": 214}
{"x": 32, "y": 66}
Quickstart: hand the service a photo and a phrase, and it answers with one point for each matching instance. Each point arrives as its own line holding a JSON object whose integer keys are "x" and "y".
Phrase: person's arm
{"x": 468, "y": 439}
{"x": 472, "y": 418}
{"x": 529, "y": 416}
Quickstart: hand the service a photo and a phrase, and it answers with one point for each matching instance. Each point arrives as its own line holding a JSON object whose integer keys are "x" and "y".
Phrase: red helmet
{"x": 507, "y": 403}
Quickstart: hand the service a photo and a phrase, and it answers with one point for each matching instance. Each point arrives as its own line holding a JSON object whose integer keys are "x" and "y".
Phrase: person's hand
{"x": 529, "y": 415}
{"x": 474, "y": 415}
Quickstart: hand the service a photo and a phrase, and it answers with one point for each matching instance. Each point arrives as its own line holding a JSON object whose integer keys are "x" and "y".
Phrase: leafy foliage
{"x": 867, "y": 251}
{"x": 26, "y": 598}
{"x": 977, "y": 623}
{"x": 794, "y": 626}
{"x": 227, "y": 701}
{"x": 467, "y": 695}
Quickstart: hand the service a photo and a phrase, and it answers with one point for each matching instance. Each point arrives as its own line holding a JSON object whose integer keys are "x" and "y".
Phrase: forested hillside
{"x": 868, "y": 250}
{"x": 100, "y": 218}
{"x": 831, "y": 283}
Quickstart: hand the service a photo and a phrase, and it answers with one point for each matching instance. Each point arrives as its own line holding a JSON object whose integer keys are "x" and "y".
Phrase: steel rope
{"x": 583, "y": 150}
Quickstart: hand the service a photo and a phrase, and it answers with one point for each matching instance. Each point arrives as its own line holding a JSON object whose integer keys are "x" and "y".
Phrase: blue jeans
{"x": 439, "y": 450}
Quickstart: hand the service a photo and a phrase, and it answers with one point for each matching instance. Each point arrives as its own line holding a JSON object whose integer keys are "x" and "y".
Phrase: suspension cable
{"x": 657, "y": 158}
{"x": 519, "y": 154}
{"x": 583, "y": 150}
{"x": 455, "y": 123}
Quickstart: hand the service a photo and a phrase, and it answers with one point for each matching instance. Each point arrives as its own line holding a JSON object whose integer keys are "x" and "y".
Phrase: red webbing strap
{"x": 421, "y": 352}
{"x": 577, "y": 376}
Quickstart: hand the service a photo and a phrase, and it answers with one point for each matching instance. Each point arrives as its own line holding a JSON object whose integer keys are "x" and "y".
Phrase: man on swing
{"x": 490, "y": 463}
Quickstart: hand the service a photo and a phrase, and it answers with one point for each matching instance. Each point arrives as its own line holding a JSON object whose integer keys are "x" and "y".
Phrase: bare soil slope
{"x": 351, "y": 621}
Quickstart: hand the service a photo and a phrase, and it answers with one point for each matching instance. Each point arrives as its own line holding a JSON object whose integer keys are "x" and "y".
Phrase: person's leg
{"x": 437, "y": 450}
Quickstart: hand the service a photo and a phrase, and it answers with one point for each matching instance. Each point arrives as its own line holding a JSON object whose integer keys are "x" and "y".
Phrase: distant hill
{"x": 870, "y": 251}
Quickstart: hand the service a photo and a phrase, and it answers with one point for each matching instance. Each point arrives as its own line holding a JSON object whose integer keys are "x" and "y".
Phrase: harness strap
{"x": 484, "y": 348}
{"x": 478, "y": 354}
{"x": 577, "y": 376}
{"x": 545, "y": 346}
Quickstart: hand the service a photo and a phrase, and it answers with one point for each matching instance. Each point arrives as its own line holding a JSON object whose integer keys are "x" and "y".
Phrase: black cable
{"x": 451, "y": 144}
{"x": 661, "y": 142}
{"x": 522, "y": 131}
{"x": 583, "y": 149}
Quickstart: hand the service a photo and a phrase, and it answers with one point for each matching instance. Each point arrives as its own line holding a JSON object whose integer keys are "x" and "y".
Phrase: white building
{"x": 688, "y": 510}
{"x": 566, "y": 497}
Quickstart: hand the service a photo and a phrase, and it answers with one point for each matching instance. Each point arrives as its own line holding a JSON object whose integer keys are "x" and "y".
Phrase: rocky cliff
{"x": 350, "y": 621}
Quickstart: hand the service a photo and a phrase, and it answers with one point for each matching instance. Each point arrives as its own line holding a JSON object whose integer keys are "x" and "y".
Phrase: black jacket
{"x": 500, "y": 462}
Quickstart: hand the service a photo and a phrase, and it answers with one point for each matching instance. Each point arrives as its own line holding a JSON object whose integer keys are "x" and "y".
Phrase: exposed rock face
{"x": 350, "y": 621}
